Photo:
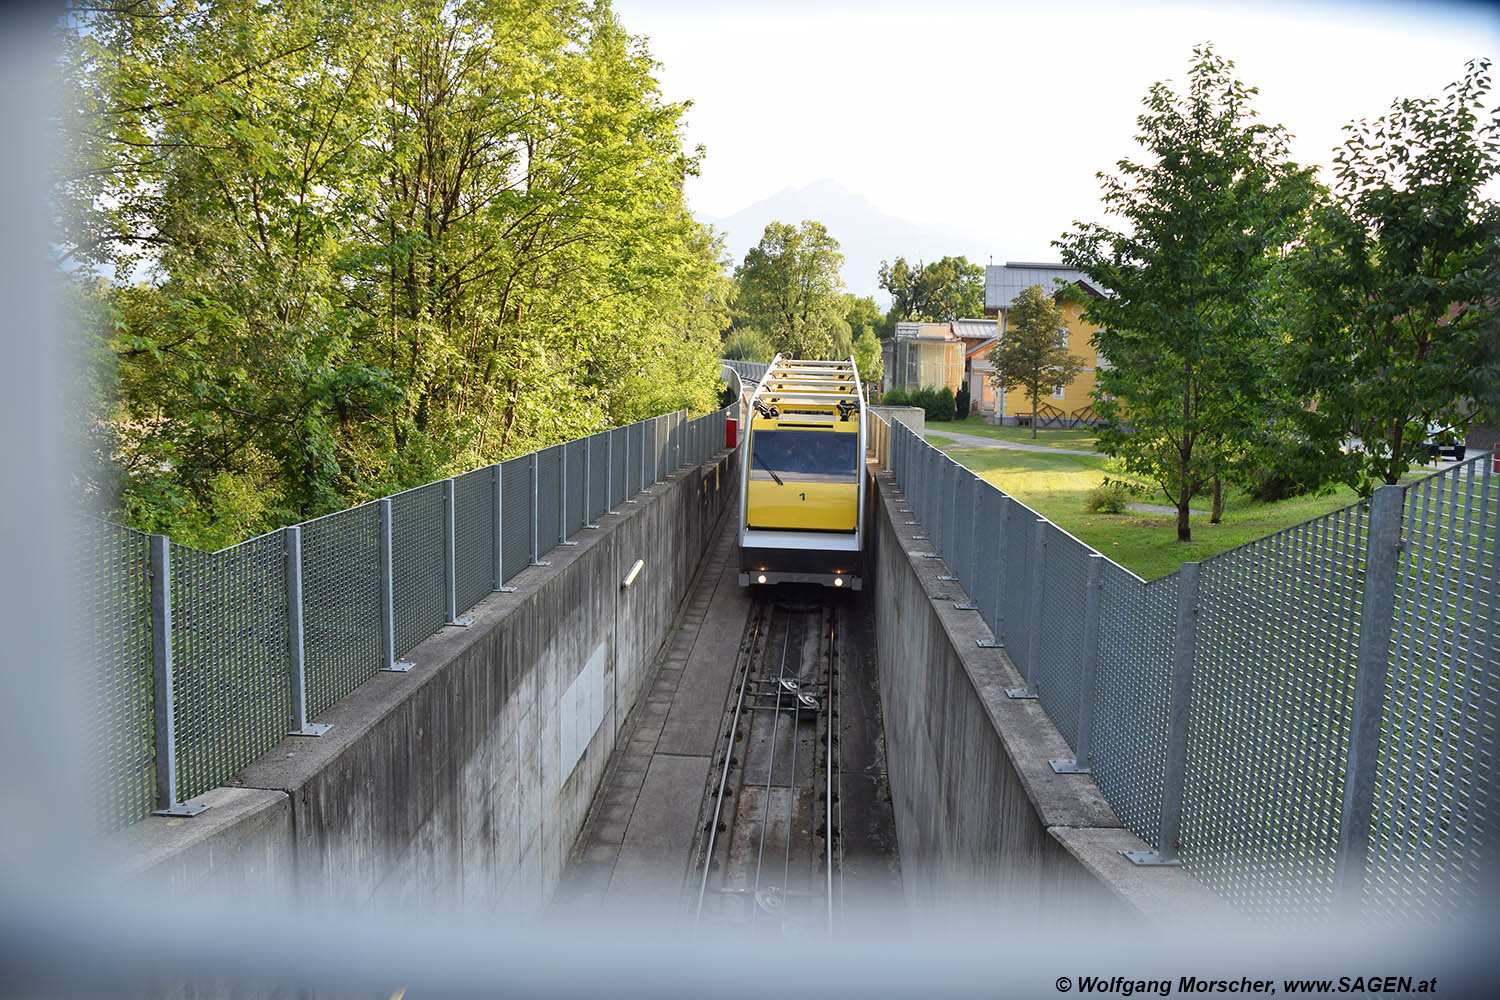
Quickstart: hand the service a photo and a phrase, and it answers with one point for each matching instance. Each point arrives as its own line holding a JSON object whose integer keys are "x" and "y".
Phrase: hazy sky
{"x": 992, "y": 120}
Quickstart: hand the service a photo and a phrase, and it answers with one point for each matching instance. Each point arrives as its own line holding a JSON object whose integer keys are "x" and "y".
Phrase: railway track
{"x": 769, "y": 855}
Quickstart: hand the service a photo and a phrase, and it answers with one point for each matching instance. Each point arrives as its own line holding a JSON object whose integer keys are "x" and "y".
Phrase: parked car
{"x": 1438, "y": 445}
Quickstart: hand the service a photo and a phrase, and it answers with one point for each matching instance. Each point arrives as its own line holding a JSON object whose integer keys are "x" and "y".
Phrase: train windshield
{"x": 805, "y": 456}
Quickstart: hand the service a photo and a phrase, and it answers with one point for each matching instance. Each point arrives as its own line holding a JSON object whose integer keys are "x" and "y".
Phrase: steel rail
{"x": 765, "y": 816}
{"x": 828, "y": 765}
{"x": 766, "y": 615}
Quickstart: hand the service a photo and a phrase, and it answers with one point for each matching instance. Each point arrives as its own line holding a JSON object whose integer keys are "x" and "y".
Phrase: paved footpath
{"x": 638, "y": 842}
{"x": 974, "y": 441}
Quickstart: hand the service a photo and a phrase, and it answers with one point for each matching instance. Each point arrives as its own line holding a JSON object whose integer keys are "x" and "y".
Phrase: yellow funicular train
{"x": 802, "y": 484}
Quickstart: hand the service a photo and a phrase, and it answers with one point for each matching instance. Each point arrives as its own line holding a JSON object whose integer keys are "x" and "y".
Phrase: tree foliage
{"x": 945, "y": 290}
{"x": 1189, "y": 345}
{"x": 358, "y": 246}
{"x": 1396, "y": 282}
{"x": 791, "y": 291}
{"x": 1031, "y": 353}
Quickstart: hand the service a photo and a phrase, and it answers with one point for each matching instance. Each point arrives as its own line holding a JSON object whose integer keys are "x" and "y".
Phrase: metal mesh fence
{"x": 598, "y": 457}
{"x": 1133, "y": 688}
{"x": 636, "y": 463}
{"x": 231, "y": 635}
{"x": 963, "y": 529}
{"x": 418, "y": 564}
{"x": 1268, "y": 733}
{"x": 1436, "y": 809}
{"x": 474, "y": 535}
{"x": 549, "y": 470}
{"x": 229, "y": 654}
{"x": 619, "y": 474}
{"x": 990, "y": 576}
{"x": 1015, "y": 610}
{"x": 1059, "y": 670}
{"x": 340, "y": 603}
{"x": 515, "y": 515}
{"x": 575, "y": 484}
{"x": 111, "y": 571}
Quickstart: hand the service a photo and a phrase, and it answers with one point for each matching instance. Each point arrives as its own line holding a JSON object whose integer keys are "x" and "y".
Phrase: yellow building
{"x": 1075, "y": 403}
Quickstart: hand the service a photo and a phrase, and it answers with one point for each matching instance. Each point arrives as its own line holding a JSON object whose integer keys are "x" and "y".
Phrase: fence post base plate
{"x": 1151, "y": 859}
{"x": 311, "y": 729}
{"x": 1070, "y": 767}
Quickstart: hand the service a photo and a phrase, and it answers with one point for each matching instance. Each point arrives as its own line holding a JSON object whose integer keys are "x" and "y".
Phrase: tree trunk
{"x": 1033, "y": 418}
{"x": 1217, "y": 515}
{"x": 1184, "y": 530}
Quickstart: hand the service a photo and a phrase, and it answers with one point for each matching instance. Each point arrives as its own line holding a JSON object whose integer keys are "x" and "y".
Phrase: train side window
{"x": 805, "y": 456}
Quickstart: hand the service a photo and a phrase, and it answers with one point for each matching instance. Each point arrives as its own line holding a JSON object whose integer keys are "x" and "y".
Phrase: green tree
{"x": 1032, "y": 352}
{"x": 1188, "y": 344}
{"x": 1397, "y": 282}
{"x": 791, "y": 291}
{"x": 867, "y": 358}
{"x": 746, "y": 344}
{"x": 358, "y": 246}
{"x": 947, "y": 289}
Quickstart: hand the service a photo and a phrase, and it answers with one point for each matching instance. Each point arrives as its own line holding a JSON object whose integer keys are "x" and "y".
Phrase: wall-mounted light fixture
{"x": 635, "y": 571}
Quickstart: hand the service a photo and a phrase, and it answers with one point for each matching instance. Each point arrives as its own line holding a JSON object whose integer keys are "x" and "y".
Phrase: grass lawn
{"x": 937, "y": 440}
{"x": 1081, "y": 439}
{"x": 1055, "y": 486}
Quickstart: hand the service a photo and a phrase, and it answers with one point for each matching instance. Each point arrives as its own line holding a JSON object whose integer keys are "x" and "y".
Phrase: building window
{"x": 1059, "y": 392}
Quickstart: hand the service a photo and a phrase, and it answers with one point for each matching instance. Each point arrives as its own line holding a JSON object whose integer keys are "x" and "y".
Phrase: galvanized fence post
{"x": 295, "y": 654}
{"x": 1175, "y": 772}
{"x": 1376, "y": 621}
{"x": 388, "y": 594}
{"x": 1083, "y": 753}
{"x": 1034, "y": 613}
{"x": 164, "y": 712}
{"x": 499, "y": 511}
{"x": 450, "y": 555}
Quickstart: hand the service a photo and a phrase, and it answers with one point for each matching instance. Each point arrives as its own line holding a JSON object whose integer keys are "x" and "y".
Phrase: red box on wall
{"x": 731, "y": 431}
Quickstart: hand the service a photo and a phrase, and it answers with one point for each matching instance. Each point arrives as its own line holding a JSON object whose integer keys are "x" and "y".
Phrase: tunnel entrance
{"x": 748, "y": 787}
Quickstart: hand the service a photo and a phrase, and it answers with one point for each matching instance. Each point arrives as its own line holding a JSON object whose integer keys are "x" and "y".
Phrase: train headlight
{"x": 761, "y": 578}
{"x": 838, "y": 581}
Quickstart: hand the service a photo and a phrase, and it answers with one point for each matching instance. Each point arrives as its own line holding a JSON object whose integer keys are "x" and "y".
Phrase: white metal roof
{"x": 1003, "y": 282}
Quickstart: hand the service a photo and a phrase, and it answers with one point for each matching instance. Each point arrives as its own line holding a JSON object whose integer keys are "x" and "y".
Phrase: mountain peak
{"x": 866, "y": 235}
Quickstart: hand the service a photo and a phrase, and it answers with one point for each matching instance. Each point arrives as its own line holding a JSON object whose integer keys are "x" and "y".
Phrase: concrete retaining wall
{"x": 981, "y": 818}
{"x": 465, "y": 781}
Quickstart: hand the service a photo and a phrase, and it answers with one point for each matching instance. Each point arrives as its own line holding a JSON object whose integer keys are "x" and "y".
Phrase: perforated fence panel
{"x": 619, "y": 475}
{"x": 340, "y": 603}
{"x": 637, "y": 459}
{"x": 549, "y": 470}
{"x": 1268, "y": 735}
{"x": 111, "y": 572}
{"x": 474, "y": 535}
{"x": 574, "y": 460}
{"x": 989, "y": 555}
{"x": 1060, "y": 651}
{"x": 598, "y": 458}
{"x": 1436, "y": 786}
{"x": 515, "y": 515}
{"x": 418, "y": 566}
{"x": 1016, "y": 598}
{"x": 662, "y": 434}
{"x": 963, "y": 528}
{"x": 229, "y": 656}
{"x": 1137, "y": 624}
